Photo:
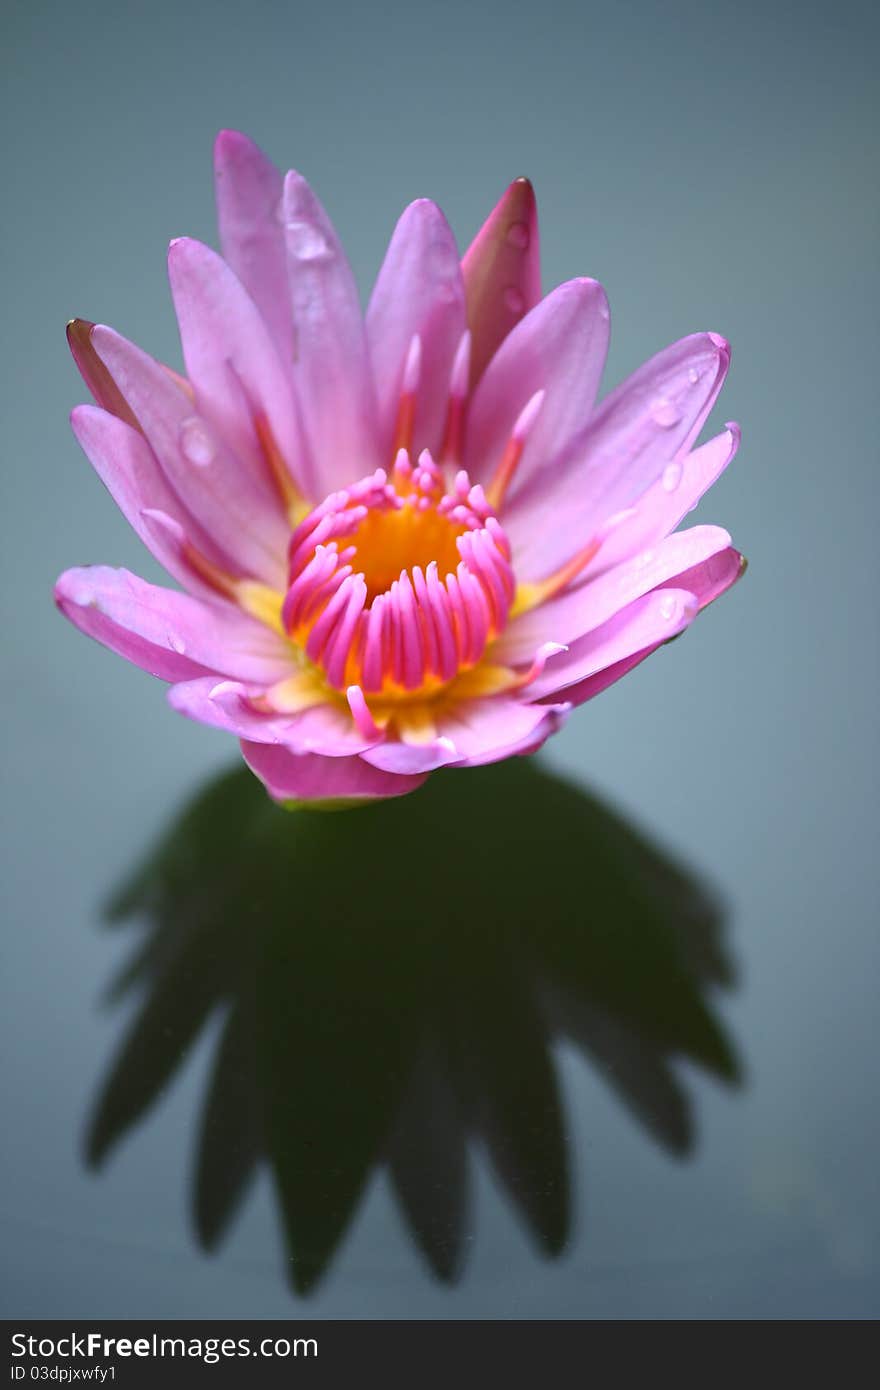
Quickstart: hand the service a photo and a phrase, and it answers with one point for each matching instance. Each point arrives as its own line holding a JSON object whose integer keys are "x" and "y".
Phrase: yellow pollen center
{"x": 388, "y": 542}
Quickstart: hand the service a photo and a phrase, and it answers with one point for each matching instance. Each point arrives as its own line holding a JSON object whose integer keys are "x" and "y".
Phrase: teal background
{"x": 716, "y": 169}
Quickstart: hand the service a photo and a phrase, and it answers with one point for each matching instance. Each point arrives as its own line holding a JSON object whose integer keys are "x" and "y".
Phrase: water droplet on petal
{"x": 668, "y": 608}
{"x": 514, "y": 300}
{"x": 672, "y": 476}
{"x": 176, "y": 643}
{"x": 518, "y": 235}
{"x": 694, "y": 376}
{"x": 195, "y": 442}
{"x": 306, "y": 242}
{"x": 665, "y": 412}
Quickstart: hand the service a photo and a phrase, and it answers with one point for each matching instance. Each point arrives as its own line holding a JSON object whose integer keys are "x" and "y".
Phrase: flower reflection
{"x": 392, "y": 981}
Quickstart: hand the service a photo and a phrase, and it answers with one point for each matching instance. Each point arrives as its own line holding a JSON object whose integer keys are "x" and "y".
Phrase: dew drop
{"x": 672, "y": 476}
{"x": 694, "y": 376}
{"x": 518, "y": 235}
{"x": 668, "y": 607}
{"x": 195, "y": 442}
{"x": 306, "y": 242}
{"x": 176, "y": 643}
{"x": 665, "y": 412}
{"x": 514, "y": 300}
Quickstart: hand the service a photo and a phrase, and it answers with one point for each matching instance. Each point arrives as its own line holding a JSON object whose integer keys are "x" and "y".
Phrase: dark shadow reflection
{"x": 392, "y": 980}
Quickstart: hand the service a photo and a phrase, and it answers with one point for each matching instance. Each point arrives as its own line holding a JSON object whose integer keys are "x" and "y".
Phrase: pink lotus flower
{"x": 406, "y": 540}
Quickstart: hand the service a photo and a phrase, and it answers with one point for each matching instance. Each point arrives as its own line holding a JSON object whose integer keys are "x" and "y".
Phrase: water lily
{"x": 405, "y": 539}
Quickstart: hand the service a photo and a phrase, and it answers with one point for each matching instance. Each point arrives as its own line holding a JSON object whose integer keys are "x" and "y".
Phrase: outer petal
{"x": 502, "y": 272}
{"x": 559, "y": 348}
{"x": 480, "y": 748}
{"x": 592, "y": 686}
{"x": 331, "y": 367}
{"x": 419, "y": 290}
{"x": 705, "y": 582}
{"x": 129, "y": 470}
{"x": 98, "y": 379}
{"x": 675, "y": 493}
{"x": 237, "y": 507}
{"x": 309, "y": 777}
{"x": 648, "y": 421}
{"x": 648, "y": 621}
{"x": 230, "y": 358}
{"x": 582, "y": 609}
{"x": 227, "y": 705}
{"x": 713, "y": 578}
{"x": 248, "y": 189}
{"x": 95, "y": 375}
{"x": 411, "y": 758}
{"x": 173, "y": 636}
{"x": 477, "y": 731}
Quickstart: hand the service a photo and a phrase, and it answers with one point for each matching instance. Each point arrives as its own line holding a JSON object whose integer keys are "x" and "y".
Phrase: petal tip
{"x": 521, "y": 194}
{"x": 229, "y": 143}
{"x": 722, "y": 348}
{"x": 79, "y": 334}
{"x": 501, "y": 270}
{"x": 72, "y": 588}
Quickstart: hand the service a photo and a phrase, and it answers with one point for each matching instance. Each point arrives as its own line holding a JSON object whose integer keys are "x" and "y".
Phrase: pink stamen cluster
{"x": 425, "y": 627}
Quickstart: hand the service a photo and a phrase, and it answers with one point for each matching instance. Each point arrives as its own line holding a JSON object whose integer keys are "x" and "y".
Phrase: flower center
{"x": 397, "y": 585}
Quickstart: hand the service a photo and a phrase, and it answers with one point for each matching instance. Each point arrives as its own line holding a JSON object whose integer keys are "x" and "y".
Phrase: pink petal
{"x": 582, "y": 609}
{"x": 705, "y": 582}
{"x": 230, "y": 358}
{"x": 474, "y": 731}
{"x": 309, "y": 777}
{"x": 648, "y": 421}
{"x": 655, "y": 618}
{"x": 324, "y": 729}
{"x": 331, "y": 366}
{"x": 128, "y": 468}
{"x": 711, "y": 578}
{"x": 488, "y": 735}
{"x": 248, "y": 189}
{"x": 419, "y": 290}
{"x": 225, "y": 704}
{"x": 407, "y": 759}
{"x": 173, "y": 636}
{"x": 502, "y": 272}
{"x": 236, "y": 506}
{"x": 559, "y": 348}
{"x": 95, "y": 375}
{"x": 675, "y": 493}
{"x": 528, "y": 742}
{"x": 592, "y": 686}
